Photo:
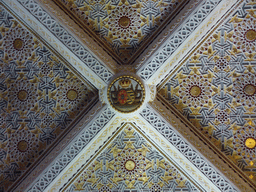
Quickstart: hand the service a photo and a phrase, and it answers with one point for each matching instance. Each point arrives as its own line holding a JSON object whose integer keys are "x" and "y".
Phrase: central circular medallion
{"x": 124, "y": 22}
{"x": 22, "y": 95}
{"x": 18, "y": 44}
{"x": 72, "y": 94}
{"x": 126, "y": 94}
{"x": 23, "y": 146}
{"x": 249, "y": 89}
{"x": 129, "y": 165}
{"x": 250, "y": 143}
{"x": 195, "y": 91}
{"x": 250, "y": 35}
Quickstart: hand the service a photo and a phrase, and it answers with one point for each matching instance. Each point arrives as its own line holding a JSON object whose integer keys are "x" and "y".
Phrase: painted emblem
{"x": 126, "y": 94}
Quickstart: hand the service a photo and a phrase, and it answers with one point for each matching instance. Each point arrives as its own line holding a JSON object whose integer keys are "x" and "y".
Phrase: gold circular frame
{"x": 249, "y": 89}
{"x": 18, "y": 44}
{"x": 22, "y": 146}
{"x": 250, "y": 143}
{"x": 72, "y": 94}
{"x": 195, "y": 91}
{"x": 250, "y": 35}
{"x": 128, "y": 77}
{"x": 124, "y": 22}
{"x": 22, "y": 95}
{"x": 129, "y": 165}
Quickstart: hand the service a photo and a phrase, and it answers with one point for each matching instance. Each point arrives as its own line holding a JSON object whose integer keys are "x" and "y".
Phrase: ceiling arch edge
{"x": 183, "y": 39}
{"x": 208, "y": 155}
{"x": 67, "y": 150}
{"x": 87, "y": 153}
{"x": 79, "y": 33}
{"x": 219, "y": 14}
{"x": 175, "y": 154}
{"x": 59, "y": 184}
{"x": 65, "y": 45}
{"x": 147, "y": 54}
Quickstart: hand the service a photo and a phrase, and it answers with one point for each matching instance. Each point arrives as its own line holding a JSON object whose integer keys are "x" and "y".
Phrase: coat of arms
{"x": 126, "y": 94}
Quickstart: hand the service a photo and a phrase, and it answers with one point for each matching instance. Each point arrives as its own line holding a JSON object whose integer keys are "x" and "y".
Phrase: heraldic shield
{"x": 126, "y": 94}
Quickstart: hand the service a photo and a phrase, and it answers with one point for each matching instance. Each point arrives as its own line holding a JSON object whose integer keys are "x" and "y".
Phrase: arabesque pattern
{"x": 186, "y": 149}
{"x": 67, "y": 39}
{"x": 72, "y": 150}
{"x": 43, "y": 104}
{"x": 130, "y": 162}
{"x": 123, "y": 24}
{"x": 39, "y": 99}
{"x": 177, "y": 38}
{"x": 215, "y": 88}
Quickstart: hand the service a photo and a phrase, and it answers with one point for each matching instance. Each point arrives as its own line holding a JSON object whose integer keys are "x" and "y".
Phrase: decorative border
{"x": 153, "y": 135}
{"x": 174, "y": 153}
{"x": 131, "y": 77}
{"x": 145, "y": 42}
{"x": 166, "y": 128}
{"x": 177, "y": 39}
{"x": 67, "y": 39}
{"x": 56, "y": 150}
{"x": 223, "y": 163}
{"x": 78, "y": 32}
{"x": 105, "y": 145}
{"x": 87, "y": 153}
{"x": 150, "y": 40}
{"x": 82, "y": 73}
{"x": 165, "y": 34}
{"x": 177, "y": 60}
{"x": 88, "y": 132}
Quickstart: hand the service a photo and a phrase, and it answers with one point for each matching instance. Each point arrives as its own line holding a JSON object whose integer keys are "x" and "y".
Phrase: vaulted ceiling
{"x": 195, "y": 130}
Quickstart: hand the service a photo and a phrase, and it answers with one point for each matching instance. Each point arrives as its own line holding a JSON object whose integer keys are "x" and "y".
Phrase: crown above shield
{"x": 125, "y": 83}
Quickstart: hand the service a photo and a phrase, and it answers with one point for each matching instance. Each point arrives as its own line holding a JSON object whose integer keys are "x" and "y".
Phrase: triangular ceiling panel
{"x": 130, "y": 161}
{"x": 215, "y": 88}
{"x": 122, "y": 27}
{"x": 40, "y": 98}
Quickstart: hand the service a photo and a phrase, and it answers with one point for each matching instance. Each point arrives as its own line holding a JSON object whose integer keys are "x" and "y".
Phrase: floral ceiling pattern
{"x": 123, "y": 25}
{"x": 215, "y": 88}
{"x": 130, "y": 162}
{"x": 39, "y": 99}
{"x": 42, "y": 97}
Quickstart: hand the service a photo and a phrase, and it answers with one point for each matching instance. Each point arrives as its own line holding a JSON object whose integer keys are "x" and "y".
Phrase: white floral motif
{"x": 195, "y": 91}
{"x": 22, "y": 95}
{"x": 22, "y": 146}
{"x": 244, "y": 89}
{"x": 18, "y": 44}
{"x": 245, "y": 34}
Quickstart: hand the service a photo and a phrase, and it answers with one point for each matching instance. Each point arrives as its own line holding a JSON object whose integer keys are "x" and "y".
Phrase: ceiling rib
{"x": 164, "y": 105}
{"x": 174, "y": 122}
{"x": 164, "y": 59}
{"x": 90, "y": 68}
{"x": 81, "y": 35}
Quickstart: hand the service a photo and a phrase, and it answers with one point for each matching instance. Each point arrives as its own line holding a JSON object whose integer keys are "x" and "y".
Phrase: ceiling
{"x": 195, "y": 130}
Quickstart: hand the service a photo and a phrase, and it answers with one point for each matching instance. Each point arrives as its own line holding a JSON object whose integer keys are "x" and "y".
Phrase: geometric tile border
{"x": 163, "y": 128}
{"x": 72, "y": 151}
{"x": 176, "y": 39}
{"x": 67, "y": 39}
